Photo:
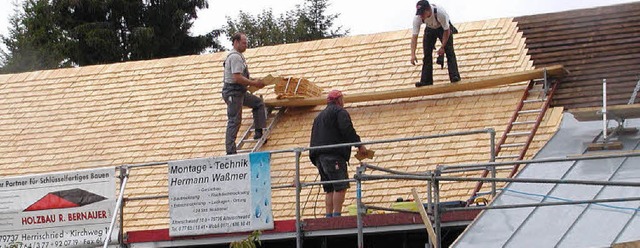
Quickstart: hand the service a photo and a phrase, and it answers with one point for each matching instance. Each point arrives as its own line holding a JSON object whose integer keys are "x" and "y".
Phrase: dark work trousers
{"x": 235, "y": 100}
{"x": 428, "y": 44}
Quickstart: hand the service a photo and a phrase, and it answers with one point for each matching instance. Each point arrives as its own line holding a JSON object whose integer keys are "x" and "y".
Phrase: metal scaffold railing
{"x": 433, "y": 179}
{"x": 298, "y": 184}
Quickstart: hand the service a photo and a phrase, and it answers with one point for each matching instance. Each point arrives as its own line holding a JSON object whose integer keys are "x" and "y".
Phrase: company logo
{"x": 65, "y": 199}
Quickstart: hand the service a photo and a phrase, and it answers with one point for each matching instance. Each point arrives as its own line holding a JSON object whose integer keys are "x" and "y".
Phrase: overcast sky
{"x": 371, "y": 16}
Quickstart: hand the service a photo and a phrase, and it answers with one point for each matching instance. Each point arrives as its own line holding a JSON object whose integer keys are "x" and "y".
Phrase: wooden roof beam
{"x": 471, "y": 84}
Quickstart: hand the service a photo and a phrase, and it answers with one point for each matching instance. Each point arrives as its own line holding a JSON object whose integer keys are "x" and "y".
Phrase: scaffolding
{"x": 433, "y": 179}
{"x": 126, "y": 170}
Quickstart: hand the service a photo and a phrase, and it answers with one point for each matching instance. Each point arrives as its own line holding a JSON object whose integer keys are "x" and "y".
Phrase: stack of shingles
{"x": 292, "y": 87}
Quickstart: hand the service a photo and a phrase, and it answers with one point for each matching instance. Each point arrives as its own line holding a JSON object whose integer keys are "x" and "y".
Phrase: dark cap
{"x": 421, "y": 6}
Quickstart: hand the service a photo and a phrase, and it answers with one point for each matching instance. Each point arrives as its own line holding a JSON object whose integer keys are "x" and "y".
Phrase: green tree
{"x": 166, "y": 32}
{"x": 57, "y": 33}
{"x": 318, "y": 22}
{"x": 33, "y": 43}
{"x": 249, "y": 242}
{"x": 304, "y": 23}
{"x": 92, "y": 36}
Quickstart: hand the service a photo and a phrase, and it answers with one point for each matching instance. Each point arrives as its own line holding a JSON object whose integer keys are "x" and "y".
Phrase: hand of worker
{"x": 259, "y": 84}
{"x": 414, "y": 60}
{"x": 441, "y": 51}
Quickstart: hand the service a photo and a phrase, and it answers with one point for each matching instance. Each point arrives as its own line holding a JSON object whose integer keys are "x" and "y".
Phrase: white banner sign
{"x": 58, "y": 209}
{"x": 220, "y": 195}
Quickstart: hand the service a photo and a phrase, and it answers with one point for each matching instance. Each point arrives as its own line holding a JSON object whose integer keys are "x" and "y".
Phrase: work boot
{"x": 420, "y": 84}
{"x": 257, "y": 134}
{"x": 455, "y": 79}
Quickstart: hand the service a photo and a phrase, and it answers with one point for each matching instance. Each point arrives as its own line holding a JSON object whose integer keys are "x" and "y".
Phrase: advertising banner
{"x": 62, "y": 209}
{"x": 220, "y": 195}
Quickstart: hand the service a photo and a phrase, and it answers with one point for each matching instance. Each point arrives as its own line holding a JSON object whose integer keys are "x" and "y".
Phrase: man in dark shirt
{"x": 333, "y": 126}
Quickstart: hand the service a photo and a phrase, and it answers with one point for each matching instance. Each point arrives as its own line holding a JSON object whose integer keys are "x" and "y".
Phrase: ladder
{"x": 247, "y": 144}
{"x": 522, "y": 126}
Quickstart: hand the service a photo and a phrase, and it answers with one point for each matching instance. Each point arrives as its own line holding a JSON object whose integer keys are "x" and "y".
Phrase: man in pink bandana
{"x": 333, "y": 126}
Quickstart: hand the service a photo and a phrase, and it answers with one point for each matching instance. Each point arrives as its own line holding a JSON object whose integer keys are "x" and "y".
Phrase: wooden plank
{"x": 616, "y": 22}
{"x": 631, "y": 62}
{"x": 614, "y": 27}
{"x": 613, "y": 91}
{"x": 619, "y": 98}
{"x": 470, "y": 84}
{"x": 616, "y": 80}
{"x": 597, "y": 100}
{"x": 622, "y": 39}
{"x": 425, "y": 218}
{"x": 539, "y": 19}
{"x": 632, "y": 244}
{"x": 560, "y": 50}
{"x": 613, "y": 145}
{"x": 594, "y": 87}
{"x": 569, "y": 105}
{"x": 586, "y": 36}
{"x": 615, "y": 10}
{"x": 594, "y": 113}
{"x": 590, "y": 24}
{"x": 568, "y": 54}
{"x": 591, "y": 57}
{"x": 601, "y": 61}
{"x": 597, "y": 75}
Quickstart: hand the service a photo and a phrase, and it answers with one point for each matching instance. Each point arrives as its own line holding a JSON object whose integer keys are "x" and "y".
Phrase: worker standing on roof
{"x": 333, "y": 126}
{"x": 234, "y": 92}
{"x": 438, "y": 25}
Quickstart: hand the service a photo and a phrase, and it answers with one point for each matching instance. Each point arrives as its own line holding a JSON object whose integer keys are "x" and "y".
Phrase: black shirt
{"x": 332, "y": 126}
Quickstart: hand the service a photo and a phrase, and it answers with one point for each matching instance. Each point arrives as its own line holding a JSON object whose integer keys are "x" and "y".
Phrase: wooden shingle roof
{"x": 171, "y": 109}
{"x": 593, "y": 44}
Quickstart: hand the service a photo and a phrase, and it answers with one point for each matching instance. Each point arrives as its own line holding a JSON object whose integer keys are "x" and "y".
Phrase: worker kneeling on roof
{"x": 333, "y": 126}
{"x": 438, "y": 25}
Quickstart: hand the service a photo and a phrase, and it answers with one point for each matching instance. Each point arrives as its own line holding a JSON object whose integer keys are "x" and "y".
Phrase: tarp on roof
{"x": 586, "y": 225}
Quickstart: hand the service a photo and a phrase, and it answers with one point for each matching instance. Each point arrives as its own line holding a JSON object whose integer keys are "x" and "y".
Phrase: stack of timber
{"x": 295, "y": 88}
{"x": 592, "y": 44}
{"x": 290, "y": 87}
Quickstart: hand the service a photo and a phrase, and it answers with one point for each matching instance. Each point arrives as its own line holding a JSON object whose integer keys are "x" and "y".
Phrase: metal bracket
{"x": 124, "y": 172}
{"x": 546, "y": 83}
{"x": 635, "y": 93}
